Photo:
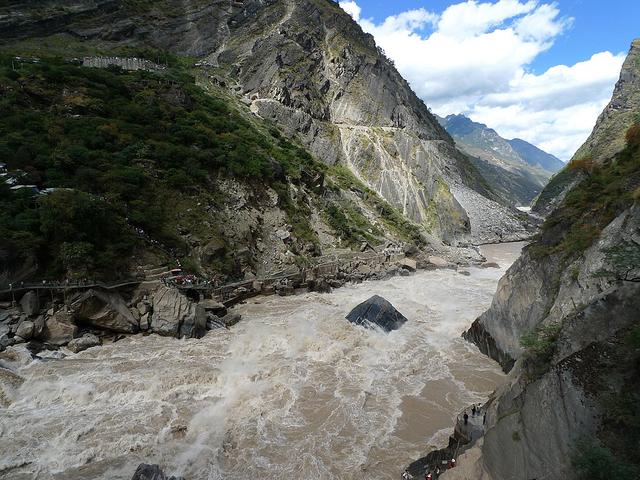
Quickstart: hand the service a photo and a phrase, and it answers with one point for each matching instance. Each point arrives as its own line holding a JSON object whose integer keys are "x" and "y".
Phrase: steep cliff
{"x": 607, "y": 138}
{"x": 565, "y": 323}
{"x": 307, "y": 66}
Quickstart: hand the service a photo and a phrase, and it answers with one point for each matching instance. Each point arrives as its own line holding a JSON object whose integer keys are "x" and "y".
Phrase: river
{"x": 294, "y": 391}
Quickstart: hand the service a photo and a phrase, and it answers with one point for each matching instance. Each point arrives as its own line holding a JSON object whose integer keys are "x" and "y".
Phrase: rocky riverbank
{"x": 75, "y": 321}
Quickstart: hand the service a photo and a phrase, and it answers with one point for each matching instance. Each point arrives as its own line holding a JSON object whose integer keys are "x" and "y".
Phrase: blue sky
{"x": 598, "y": 25}
{"x": 541, "y": 70}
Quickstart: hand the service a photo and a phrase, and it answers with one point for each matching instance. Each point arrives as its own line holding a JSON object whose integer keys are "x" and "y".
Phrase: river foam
{"x": 292, "y": 391}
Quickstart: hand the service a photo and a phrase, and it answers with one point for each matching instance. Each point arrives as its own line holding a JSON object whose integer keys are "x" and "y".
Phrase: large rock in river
{"x": 151, "y": 472}
{"x": 105, "y": 310}
{"x": 377, "y": 311}
{"x": 177, "y": 316}
{"x": 59, "y": 328}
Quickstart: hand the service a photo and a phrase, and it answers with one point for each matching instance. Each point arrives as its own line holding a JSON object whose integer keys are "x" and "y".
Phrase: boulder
{"x": 408, "y": 264}
{"x": 410, "y": 249}
{"x": 88, "y": 340}
{"x": 9, "y": 383}
{"x": 319, "y": 285}
{"x": 60, "y": 328}
{"x": 364, "y": 269}
{"x": 151, "y": 472}
{"x": 214, "y": 323}
{"x": 25, "y": 330}
{"x": 438, "y": 262}
{"x": 195, "y": 325}
{"x": 490, "y": 265}
{"x": 5, "y": 341}
{"x": 143, "y": 308}
{"x": 176, "y": 316}
{"x": 105, "y": 310}
{"x": 211, "y": 306}
{"x": 38, "y": 327}
{"x": 30, "y": 303}
{"x": 377, "y": 311}
{"x": 145, "y": 322}
{"x": 231, "y": 319}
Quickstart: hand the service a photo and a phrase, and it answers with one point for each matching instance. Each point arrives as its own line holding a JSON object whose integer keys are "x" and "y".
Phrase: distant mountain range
{"x": 515, "y": 169}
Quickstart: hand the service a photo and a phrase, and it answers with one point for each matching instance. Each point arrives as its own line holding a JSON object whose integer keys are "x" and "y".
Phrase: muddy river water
{"x": 293, "y": 391}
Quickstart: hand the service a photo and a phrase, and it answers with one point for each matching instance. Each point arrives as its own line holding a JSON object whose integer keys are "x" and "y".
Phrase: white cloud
{"x": 474, "y": 57}
{"x": 352, "y": 9}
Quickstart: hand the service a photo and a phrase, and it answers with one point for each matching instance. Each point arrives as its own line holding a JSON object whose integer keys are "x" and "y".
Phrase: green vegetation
{"x": 350, "y": 224}
{"x": 603, "y": 194}
{"x": 392, "y": 219}
{"x": 593, "y": 461}
{"x": 129, "y": 145}
{"x": 541, "y": 342}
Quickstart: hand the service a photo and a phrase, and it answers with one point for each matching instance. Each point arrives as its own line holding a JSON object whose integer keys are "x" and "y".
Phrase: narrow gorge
{"x": 195, "y": 194}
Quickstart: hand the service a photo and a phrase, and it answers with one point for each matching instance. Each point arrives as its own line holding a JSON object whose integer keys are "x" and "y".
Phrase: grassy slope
{"x": 125, "y": 143}
{"x": 138, "y": 150}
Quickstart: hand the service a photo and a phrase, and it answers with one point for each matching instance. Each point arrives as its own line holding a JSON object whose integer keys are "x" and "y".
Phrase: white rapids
{"x": 294, "y": 391}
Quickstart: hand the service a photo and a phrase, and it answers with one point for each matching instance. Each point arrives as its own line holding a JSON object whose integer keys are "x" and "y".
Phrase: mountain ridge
{"x": 514, "y": 168}
{"x": 306, "y": 66}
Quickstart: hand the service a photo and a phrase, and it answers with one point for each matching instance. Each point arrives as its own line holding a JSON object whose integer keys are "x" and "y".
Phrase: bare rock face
{"x": 177, "y": 316}
{"x": 30, "y": 303}
{"x": 377, "y": 311}
{"x": 60, "y": 328}
{"x": 548, "y": 405}
{"x": 105, "y": 310}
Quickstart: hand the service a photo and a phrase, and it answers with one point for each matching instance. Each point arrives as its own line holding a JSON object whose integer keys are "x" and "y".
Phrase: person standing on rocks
{"x": 466, "y": 418}
{"x": 473, "y": 410}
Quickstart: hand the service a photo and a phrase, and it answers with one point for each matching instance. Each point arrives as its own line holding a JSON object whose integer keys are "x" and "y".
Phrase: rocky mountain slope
{"x": 607, "y": 138}
{"x": 307, "y": 67}
{"x": 515, "y": 169}
{"x": 565, "y": 323}
{"x": 535, "y": 156}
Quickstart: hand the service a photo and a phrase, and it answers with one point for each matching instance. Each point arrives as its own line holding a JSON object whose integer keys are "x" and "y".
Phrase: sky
{"x": 539, "y": 70}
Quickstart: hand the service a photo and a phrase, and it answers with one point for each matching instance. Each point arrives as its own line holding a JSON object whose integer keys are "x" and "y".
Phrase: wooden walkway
{"x": 223, "y": 292}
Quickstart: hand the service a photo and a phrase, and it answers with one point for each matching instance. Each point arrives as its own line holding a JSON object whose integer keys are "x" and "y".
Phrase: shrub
{"x": 541, "y": 341}
{"x": 593, "y": 461}
{"x": 584, "y": 164}
{"x": 633, "y": 135}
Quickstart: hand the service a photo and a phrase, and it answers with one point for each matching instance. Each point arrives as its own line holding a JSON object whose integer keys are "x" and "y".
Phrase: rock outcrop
{"x": 564, "y": 323}
{"x": 175, "y": 315}
{"x": 105, "y": 310}
{"x": 377, "y": 311}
